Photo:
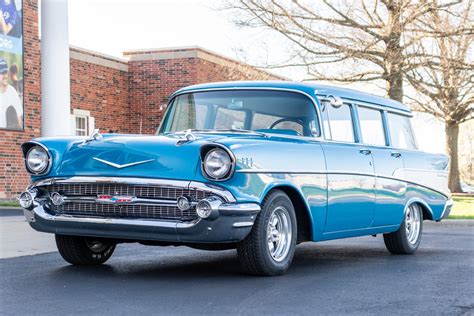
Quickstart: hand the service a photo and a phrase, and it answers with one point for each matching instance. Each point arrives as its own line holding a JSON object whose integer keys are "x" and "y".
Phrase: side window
{"x": 401, "y": 132}
{"x": 229, "y": 119}
{"x": 371, "y": 126}
{"x": 337, "y": 122}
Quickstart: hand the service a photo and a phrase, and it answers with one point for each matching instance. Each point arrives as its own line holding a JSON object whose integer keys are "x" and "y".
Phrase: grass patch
{"x": 461, "y": 216}
{"x": 9, "y": 204}
{"x": 463, "y": 207}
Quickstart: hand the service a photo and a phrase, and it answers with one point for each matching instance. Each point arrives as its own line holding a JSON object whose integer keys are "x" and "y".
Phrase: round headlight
{"x": 37, "y": 160}
{"x": 217, "y": 163}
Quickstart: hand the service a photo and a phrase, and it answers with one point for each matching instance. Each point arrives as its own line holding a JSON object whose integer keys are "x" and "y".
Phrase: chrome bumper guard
{"x": 447, "y": 209}
{"x": 230, "y": 221}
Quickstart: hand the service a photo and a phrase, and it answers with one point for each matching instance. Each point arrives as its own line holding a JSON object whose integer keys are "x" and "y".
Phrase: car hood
{"x": 132, "y": 156}
{"x": 159, "y": 156}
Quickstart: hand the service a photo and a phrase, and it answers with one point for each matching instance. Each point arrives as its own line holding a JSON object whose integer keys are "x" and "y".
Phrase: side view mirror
{"x": 335, "y": 101}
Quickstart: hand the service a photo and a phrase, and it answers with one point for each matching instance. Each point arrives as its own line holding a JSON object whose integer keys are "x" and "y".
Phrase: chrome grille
{"x": 127, "y": 211}
{"x": 91, "y": 208}
{"x": 149, "y": 192}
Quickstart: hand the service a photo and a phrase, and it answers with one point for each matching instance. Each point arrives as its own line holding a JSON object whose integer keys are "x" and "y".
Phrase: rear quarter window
{"x": 401, "y": 132}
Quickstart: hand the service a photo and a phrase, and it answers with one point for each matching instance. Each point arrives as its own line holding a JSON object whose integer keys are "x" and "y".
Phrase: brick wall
{"x": 99, "y": 84}
{"x": 13, "y": 177}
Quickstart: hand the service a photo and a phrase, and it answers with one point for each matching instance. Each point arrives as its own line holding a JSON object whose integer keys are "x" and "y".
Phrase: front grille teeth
{"x": 150, "y": 192}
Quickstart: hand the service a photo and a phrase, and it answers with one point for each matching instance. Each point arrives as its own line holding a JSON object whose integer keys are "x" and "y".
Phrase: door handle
{"x": 396, "y": 154}
{"x": 365, "y": 151}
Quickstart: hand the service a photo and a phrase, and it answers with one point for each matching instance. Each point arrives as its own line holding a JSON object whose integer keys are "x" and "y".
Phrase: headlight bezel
{"x": 205, "y": 151}
{"x": 28, "y": 149}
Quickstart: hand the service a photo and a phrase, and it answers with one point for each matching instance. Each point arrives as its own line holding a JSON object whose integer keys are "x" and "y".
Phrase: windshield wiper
{"x": 238, "y": 130}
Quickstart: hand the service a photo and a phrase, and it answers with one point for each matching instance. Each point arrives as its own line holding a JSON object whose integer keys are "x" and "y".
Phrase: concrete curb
{"x": 10, "y": 211}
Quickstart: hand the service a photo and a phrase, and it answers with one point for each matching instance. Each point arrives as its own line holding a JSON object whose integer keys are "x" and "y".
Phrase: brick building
{"x": 120, "y": 95}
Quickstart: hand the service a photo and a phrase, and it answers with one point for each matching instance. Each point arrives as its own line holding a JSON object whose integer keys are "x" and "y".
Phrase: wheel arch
{"x": 425, "y": 208}
{"x": 302, "y": 210}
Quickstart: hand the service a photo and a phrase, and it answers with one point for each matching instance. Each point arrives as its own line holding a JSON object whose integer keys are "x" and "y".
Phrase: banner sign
{"x": 11, "y": 65}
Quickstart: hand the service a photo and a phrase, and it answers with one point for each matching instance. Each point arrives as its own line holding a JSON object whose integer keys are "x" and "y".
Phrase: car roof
{"x": 309, "y": 88}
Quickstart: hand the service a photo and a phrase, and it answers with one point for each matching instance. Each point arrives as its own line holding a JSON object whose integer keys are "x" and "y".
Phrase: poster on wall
{"x": 11, "y": 65}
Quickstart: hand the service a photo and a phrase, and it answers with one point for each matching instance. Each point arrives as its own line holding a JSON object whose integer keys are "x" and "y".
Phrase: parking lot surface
{"x": 349, "y": 276}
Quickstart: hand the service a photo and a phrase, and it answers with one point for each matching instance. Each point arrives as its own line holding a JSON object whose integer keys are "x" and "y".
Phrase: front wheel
{"x": 79, "y": 250}
{"x": 270, "y": 246}
{"x": 408, "y": 237}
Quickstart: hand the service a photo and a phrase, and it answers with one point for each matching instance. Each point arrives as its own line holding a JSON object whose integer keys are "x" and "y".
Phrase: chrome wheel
{"x": 279, "y": 234}
{"x": 413, "y": 223}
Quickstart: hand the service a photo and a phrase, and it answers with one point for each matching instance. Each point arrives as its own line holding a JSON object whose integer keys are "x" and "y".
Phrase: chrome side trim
{"x": 217, "y": 190}
{"x": 268, "y": 171}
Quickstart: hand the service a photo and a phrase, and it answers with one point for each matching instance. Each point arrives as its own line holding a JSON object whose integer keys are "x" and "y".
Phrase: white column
{"x": 55, "y": 86}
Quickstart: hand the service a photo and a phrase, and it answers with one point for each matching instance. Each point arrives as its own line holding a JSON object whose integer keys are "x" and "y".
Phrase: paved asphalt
{"x": 351, "y": 276}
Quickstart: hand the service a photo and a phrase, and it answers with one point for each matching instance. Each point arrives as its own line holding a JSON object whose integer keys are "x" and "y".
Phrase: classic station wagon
{"x": 256, "y": 166}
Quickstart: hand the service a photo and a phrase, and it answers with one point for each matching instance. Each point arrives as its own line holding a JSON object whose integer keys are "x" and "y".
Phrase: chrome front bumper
{"x": 230, "y": 221}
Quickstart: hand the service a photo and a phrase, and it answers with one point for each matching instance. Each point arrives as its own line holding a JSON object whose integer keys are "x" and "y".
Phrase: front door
{"x": 351, "y": 182}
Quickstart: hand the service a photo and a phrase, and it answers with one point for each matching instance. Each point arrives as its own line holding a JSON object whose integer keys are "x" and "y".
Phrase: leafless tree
{"x": 368, "y": 40}
{"x": 444, "y": 74}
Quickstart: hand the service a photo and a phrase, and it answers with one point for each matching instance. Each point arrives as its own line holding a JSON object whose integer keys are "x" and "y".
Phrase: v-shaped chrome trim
{"x": 115, "y": 165}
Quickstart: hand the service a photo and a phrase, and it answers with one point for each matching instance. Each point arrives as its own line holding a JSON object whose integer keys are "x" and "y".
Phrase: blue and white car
{"x": 256, "y": 166}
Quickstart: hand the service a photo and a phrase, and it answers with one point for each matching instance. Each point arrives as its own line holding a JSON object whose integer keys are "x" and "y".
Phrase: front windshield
{"x": 279, "y": 112}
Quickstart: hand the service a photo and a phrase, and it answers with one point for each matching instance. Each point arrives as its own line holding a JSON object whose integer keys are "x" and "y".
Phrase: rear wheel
{"x": 270, "y": 246}
{"x": 79, "y": 250}
{"x": 408, "y": 237}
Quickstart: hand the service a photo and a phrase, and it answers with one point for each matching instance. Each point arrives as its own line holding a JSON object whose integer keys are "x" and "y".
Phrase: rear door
{"x": 350, "y": 172}
{"x": 388, "y": 164}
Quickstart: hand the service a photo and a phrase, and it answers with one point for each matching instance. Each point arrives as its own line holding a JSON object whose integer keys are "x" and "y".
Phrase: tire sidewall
{"x": 278, "y": 198}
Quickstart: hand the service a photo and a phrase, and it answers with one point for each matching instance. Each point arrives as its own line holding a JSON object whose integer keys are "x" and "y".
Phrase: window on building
{"x": 82, "y": 123}
{"x": 81, "y": 126}
{"x": 401, "y": 132}
{"x": 371, "y": 126}
{"x": 337, "y": 122}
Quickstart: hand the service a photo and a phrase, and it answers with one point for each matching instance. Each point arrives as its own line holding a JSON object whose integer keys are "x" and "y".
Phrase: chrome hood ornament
{"x": 118, "y": 166}
{"x": 95, "y": 135}
{"x": 188, "y": 138}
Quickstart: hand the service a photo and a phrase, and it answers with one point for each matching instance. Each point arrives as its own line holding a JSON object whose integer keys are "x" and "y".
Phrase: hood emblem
{"x": 116, "y": 165}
